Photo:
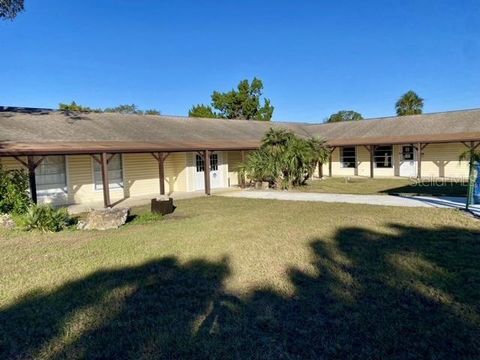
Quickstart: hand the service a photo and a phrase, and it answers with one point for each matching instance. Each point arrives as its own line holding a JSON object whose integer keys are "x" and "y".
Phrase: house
{"x": 87, "y": 157}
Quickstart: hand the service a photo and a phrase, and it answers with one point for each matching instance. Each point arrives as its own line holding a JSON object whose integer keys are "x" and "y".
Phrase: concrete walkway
{"x": 386, "y": 200}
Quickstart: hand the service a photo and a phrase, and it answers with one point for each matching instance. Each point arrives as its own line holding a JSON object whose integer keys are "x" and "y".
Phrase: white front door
{"x": 408, "y": 161}
{"x": 216, "y": 178}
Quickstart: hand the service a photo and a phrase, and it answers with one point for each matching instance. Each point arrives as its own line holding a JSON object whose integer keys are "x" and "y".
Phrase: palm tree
{"x": 284, "y": 159}
{"x": 409, "y": 104}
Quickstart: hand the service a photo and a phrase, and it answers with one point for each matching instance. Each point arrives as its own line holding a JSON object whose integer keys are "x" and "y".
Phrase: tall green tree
{"x": 10, "y": 8}
{"x": 243, "y": 103}
{"x": 202, "y": 111}
{"x": 409, "y": 104}
{"x": 345, "y": 115}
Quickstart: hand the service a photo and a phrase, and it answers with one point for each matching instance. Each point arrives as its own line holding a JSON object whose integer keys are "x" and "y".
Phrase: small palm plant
{"x": 284, "y": 159}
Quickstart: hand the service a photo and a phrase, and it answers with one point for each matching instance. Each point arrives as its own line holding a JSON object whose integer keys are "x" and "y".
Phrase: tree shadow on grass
{"x": 406, "y": 293}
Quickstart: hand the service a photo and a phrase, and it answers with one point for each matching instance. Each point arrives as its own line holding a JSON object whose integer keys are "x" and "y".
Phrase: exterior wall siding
{"x": 234, "y": 159}
{"x": 438, "y": 160}
{"x": 140, "y": 171}
{"x": 441, "y": 160}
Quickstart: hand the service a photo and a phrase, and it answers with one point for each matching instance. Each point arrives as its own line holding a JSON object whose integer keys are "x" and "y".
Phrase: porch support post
{"x": 371, "y": 150}
{"x": 31, "y": 165}
{"x": 372, "y": 160}
{"x": 206, "y": 161}
{"x": 330, "y": 161}
{"x": 419, "y": 161}
{"x": 105, "y": 182}
{"x": 31, "y": 178}
{"x": 161, "y": 157}
{"x": 242, "y": 179}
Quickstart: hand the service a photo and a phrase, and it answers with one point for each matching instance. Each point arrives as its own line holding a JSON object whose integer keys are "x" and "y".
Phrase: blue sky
{"x": 315, "y": 57}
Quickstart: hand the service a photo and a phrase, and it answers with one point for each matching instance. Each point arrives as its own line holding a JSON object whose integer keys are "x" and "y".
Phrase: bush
{"x": 284, "y": 159}
{"x": 14, "y": 191}
{"x": 45, "y": 218}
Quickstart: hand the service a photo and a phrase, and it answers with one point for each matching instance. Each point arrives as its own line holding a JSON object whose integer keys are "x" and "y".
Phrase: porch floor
{"x": 144, "y": 200}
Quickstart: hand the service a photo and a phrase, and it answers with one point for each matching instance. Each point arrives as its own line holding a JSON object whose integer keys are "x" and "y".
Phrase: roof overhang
{"x": 81, "y": 148}
{"x": 394, "y": 140}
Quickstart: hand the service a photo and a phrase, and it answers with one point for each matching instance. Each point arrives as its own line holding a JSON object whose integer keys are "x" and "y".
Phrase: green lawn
{"x": 362, "y": 185}
{"x": 241, "y": 278}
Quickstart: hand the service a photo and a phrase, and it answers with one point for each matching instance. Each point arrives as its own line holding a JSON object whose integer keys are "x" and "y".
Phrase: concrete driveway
{"x": 385, "y": 200}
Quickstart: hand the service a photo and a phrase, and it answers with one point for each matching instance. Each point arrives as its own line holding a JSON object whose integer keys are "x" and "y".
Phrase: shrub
{"x": 45, "y": 218}
{"x": 14, "y": 191}
{"x": 284, "y": 159}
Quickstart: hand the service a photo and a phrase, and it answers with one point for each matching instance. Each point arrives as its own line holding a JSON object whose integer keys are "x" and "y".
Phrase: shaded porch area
{"x": 145, "y": 200}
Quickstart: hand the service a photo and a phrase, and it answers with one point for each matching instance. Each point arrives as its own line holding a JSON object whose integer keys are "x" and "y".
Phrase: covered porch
{"x": 125, "y": 175}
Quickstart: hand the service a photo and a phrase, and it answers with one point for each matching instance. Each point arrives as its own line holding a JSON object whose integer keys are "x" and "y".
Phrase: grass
{"x": 244, "y": 278}
{"x": 364, "y": 186}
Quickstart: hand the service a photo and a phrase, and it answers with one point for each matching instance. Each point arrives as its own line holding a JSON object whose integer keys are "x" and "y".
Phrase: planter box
{"x": 162, "y": 206}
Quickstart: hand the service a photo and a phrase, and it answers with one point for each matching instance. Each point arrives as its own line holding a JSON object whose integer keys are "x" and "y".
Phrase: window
{"x": 115, "y": 173}
{"x": 383, "y": 156}
{"x": 407, "y": 152}
{"x": 51, "y": 175}
{"x": 348, "y": 157}
{"x": 200, "y": 164}
{"x": 214, "y": 162}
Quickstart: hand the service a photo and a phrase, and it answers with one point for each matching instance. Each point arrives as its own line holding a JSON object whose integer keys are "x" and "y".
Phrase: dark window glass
{"x": 383, "y": 156}
{"x": 348, "y": 157}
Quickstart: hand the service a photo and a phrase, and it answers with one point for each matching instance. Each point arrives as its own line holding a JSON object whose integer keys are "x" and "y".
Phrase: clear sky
{"x": 315, "y": 57}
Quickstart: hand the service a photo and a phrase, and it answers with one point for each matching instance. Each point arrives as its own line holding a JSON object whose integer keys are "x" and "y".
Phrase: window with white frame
{"x": 115, "y": 173}
{"x": 200, "y": 163}
{"x": 214, "y": 162}
{"x": 348, "y": 157}
{"x": 383, "y": 156}
{"x": 51, "y": 174}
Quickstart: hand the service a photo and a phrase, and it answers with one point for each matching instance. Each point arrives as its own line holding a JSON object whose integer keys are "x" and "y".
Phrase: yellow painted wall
{"x": 10, "y": 163}
{"x": 141, "y": 174}
{"x": 337, "y": 169}
{"x": 234, "y": 158}
{"x": 141, "y": 171}
{"x": 441, "y": 160}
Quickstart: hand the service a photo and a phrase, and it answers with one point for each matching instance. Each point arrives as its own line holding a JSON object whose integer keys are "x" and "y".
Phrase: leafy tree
{"x": 125, "y": 109}
{"x": 202, "y": 111}
{"x": 284, "y": 159}
{"x": 74, "y": 107}
{"x": 243, "y": 103}
{"x": 409, "y": 104}
{"x": 345, "y": 115}
{"x": 152, "y": 112}
{"x": 10, "y": 8}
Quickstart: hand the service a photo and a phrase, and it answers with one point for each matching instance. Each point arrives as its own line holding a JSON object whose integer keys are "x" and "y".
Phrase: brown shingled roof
{"x": 62, "y": 133}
